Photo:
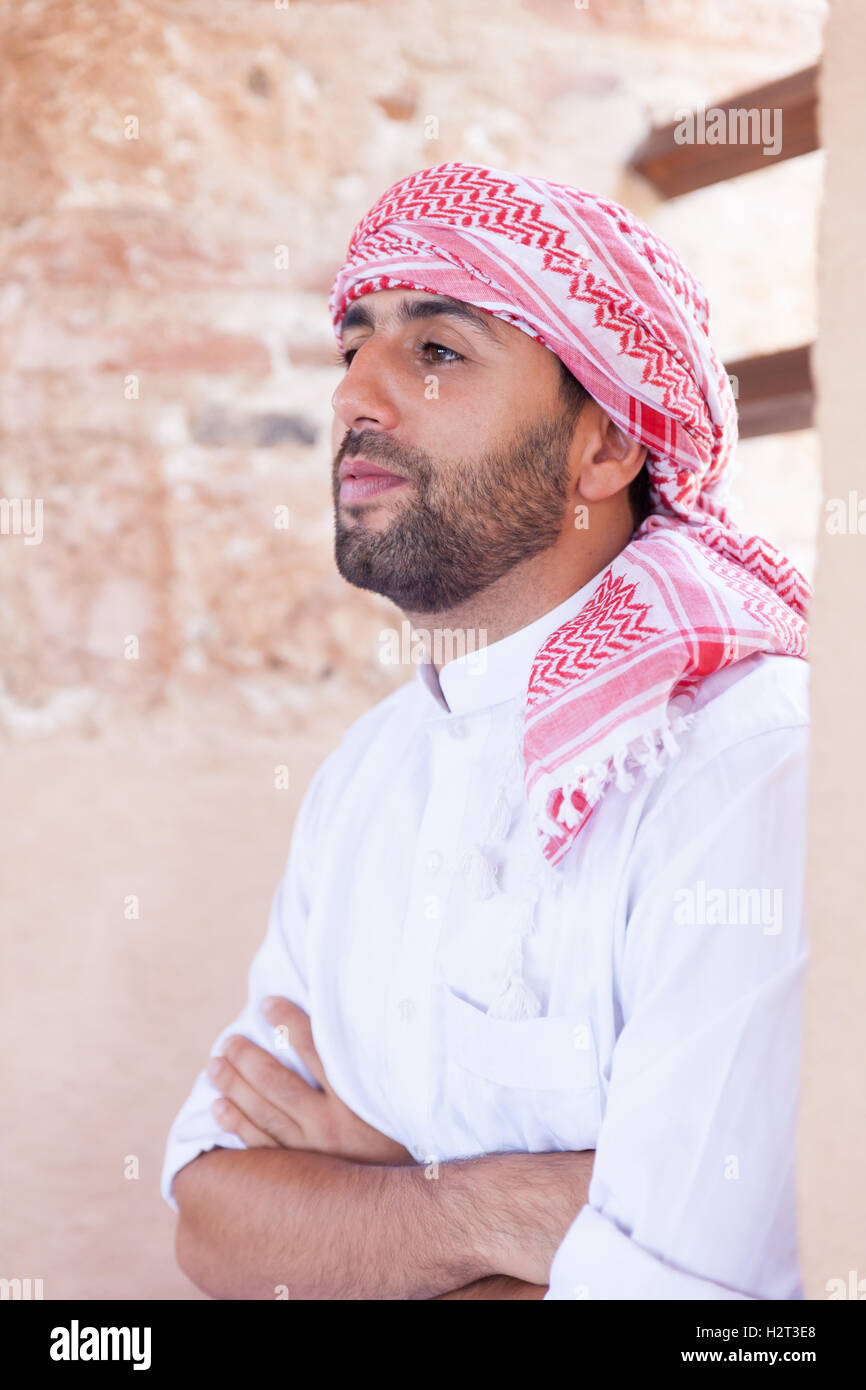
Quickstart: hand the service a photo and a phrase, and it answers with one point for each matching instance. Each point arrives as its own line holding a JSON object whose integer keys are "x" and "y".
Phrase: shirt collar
{"x": 500, "y": 670}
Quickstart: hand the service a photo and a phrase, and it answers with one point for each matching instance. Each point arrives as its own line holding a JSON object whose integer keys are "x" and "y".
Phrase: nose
{"x": 364, "y": 398}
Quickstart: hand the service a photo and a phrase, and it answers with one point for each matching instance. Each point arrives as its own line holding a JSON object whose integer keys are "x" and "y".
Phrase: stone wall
{"x": 182, "y": 181}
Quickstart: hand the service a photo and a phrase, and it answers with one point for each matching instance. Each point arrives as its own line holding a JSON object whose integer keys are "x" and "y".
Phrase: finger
{"x": 256, "y": 1101}
{"x": 278, "y": 1084}
{"x": 230, "y": 1118}
{"x": 290, "y": 1021}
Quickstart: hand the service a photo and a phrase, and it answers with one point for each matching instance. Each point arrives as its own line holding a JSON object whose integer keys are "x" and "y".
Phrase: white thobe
{"x": 665, "y": 953}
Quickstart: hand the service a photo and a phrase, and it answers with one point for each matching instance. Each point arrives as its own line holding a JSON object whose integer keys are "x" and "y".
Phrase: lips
{"x": 360, "y": 480}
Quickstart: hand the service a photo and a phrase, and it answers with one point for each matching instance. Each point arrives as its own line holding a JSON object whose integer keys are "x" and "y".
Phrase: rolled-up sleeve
{"x": 277, "y": 968}
{"x": 693, "y": 1192}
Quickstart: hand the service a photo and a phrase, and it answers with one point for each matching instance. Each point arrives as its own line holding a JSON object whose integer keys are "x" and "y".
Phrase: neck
{"x": 528, "y": 591}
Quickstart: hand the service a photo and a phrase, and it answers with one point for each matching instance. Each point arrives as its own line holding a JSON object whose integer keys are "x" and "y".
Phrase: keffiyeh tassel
{"x": 646, "y": 755}
{"x": 500, "y": 817}
{"x": 516, "y": 1000}
{"x": 480, "y": 873}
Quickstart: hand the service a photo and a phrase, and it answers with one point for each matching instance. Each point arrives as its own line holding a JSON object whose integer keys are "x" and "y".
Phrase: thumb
{"x": 295, "y": 1025}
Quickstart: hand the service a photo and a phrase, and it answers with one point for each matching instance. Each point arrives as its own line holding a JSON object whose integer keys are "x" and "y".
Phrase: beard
{"x": 465, "y": 525}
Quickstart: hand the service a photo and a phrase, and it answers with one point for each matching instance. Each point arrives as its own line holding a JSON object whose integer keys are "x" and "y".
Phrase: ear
{"x": 609, "y": 459}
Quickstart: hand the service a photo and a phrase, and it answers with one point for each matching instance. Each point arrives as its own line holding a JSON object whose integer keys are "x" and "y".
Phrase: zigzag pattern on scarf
{"x": 690, "y": 593}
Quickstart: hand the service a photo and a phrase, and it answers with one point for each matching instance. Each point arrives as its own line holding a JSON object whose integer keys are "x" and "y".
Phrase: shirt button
{"x": 457, "y": 728}
{"x": 406, "y": 1010}
{"x": 434, "y": 862}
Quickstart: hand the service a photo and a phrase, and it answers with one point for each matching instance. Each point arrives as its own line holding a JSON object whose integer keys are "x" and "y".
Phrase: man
{"x": 525, "y": 1020}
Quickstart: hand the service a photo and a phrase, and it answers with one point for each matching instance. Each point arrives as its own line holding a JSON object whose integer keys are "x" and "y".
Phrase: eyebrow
{"x": 409, "y": 310}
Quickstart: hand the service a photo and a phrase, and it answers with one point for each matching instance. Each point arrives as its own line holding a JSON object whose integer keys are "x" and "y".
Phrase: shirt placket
{"x": 414, "y": 1049}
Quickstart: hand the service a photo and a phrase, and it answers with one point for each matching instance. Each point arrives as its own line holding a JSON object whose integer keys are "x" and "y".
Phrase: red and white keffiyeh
{"x": 691, "y": 593}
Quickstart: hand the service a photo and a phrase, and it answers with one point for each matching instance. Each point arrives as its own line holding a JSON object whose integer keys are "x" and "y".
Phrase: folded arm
{"x": 325, "y": 1227}
{"x": 323, "y": 1204}
{"x": 304, "y": 1195}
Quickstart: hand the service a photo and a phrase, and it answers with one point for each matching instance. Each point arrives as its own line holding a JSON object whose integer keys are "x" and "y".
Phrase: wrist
{"x": 452, "y": 1200}
{"x": 485, "y": 1184}
{"x": 524, "y": 1204}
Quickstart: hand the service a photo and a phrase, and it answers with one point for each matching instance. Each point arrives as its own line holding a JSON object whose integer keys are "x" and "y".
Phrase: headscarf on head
{"x": 691, "y": 593}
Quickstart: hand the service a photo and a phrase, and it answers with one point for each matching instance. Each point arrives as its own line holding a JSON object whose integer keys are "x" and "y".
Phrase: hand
{"x": 268, "y": 1105}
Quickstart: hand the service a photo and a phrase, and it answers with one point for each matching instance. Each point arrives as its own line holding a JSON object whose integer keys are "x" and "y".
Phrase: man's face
{"x": 451, "y": 449}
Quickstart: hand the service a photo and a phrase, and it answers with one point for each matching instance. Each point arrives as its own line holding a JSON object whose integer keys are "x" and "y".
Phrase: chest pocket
{"x": 531, "y": 1085}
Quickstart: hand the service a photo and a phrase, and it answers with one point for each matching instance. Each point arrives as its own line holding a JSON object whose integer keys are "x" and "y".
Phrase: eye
{"x": 439, "y": 347}
{"x": 345, "y": 357}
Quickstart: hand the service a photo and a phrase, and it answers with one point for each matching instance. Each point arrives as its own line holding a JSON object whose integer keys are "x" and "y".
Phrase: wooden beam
{"x": 673, "y": 166}
{"x": 774, "y": 393}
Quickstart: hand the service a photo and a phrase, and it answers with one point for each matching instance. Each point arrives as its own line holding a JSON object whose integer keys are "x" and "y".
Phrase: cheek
{"x": 456, "y": 424}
